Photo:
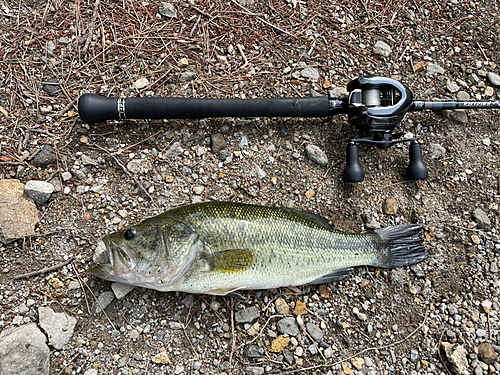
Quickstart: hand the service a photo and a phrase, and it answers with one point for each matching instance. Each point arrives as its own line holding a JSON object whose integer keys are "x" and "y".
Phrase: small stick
{"x": 233, "y": 340}
{"x": 240, "y": 49}
{"x": 91, "y": 27}
{"x": 118, "y": 152}
{"x": 44, "y": 270}
{"x": 83, "y": 287}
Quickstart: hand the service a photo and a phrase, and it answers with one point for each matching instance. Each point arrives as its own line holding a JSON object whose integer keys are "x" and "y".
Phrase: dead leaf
{"x": 300, "y": 308}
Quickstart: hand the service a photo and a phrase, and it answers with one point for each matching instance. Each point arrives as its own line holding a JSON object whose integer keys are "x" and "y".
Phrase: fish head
{"x": 149, "y": 254}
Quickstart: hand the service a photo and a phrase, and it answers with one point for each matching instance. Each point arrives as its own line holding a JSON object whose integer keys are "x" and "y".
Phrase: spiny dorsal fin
{"x": 230, "y": 261}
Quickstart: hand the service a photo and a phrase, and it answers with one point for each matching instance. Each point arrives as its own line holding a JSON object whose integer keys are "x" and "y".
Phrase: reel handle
{"x": 417, "y": 170}
{"x": 353, "y": 171}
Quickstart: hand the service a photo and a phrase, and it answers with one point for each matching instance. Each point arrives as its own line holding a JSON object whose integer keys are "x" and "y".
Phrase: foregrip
{"x": 94, "y": 108}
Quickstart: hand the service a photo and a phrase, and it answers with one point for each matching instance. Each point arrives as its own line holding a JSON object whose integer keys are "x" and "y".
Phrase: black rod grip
{"x": 94, "y": 108}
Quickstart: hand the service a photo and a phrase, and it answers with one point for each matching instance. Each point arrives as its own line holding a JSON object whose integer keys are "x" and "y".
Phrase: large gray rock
{"x": 18, "y": 213}
{"x": 59, "y": 326}
{"x": 456, "y": 356}
{"x": 23, "y": 351}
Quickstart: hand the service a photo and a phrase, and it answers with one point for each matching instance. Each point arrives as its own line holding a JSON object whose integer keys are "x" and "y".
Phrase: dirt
{"x": 131, "y": 41}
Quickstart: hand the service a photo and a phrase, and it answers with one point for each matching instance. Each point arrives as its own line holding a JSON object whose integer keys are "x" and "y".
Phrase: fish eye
{"x": 129, "y": 234}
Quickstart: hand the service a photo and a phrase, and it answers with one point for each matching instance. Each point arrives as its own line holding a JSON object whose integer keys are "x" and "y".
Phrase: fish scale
{"x": 221, "y": 247}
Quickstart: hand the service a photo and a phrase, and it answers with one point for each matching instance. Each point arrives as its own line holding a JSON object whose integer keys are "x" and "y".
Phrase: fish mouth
{"x": 112, "y": 260}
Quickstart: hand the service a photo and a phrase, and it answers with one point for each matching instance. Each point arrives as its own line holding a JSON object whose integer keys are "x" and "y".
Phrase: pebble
{"x": 315, "y": 332}
{"x": 121, "y": 290}
{"x": 104, "y": 299}
{"x": 186, "y": 76}
{"x": 253, "y": 351}
{"x": 310, "y": 73}
{"x": 414, "y": 355}
{"x": 167, "y": 10}
{"x": 254, "y": 370}
{"x": 288, "y": 326}
{"x": 247, "y": 315}
{"x": 39, "y": 191}
{"x": 175, "y": 150}
{"x": 435, "y": 69}
{"x": 141, "y": 83}
{"x": 59, "y": 326}
{"x": 493, "y": 78}
{"x": 382, "y": 48}
{"x": 51, "y": 86}
{"x": 317, "y": 155}
{"x": 282, "y": 307}
{"x": 23, "y": 350}
{"x": 279, "y": 343}
{"x": 261, "y": 174}
{"x": 437, "y": 151}
{"x": 328, "y": 352}
{"x": 218, "y": 143}
{"x": 338, "y": 93}
{"x": 390, "y": 206}
{"x": 482, "y": 219}
{"x": 452, "y": 86}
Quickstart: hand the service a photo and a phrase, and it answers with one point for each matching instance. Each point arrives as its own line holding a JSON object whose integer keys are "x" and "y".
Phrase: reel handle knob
{"x": 417, "y": 170}
{"x": 353, "y": 171}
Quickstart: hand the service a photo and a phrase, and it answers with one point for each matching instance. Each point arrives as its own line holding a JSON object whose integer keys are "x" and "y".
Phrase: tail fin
{"x": 400, "y": 245}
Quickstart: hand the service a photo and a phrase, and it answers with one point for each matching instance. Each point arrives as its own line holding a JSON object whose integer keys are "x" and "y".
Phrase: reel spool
{"x": 376, "y": 106}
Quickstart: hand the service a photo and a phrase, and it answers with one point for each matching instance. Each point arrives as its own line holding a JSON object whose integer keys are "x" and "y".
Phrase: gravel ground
{"x": 438, "y": 317}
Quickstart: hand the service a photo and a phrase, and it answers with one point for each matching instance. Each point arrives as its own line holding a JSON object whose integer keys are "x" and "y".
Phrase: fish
{"x": 222, "y": 247}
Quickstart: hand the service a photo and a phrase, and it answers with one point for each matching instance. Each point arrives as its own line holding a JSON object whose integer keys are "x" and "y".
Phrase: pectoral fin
{"x": 230, "y": 261}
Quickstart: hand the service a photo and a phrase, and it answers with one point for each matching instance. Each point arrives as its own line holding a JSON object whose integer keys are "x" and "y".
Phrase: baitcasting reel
{"x": 376, "y": 105}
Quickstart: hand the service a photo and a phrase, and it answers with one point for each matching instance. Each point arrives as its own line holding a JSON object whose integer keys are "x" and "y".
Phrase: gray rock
{"x": 328, "y": 352}
{"x": 288, "y": 357}
{"x": 317, "y": 155}
{"x": 254, "y": 370}
{"x": 310, "y": 73}
{"x": 101, "y": 254}
{"x": 23, "y": 351}
{"x": 59, "y": 326}
{"x": 141, "y": 83}
{"x": 66, "y": 176}
{"x": 463, "y": 96}
{"x": 435, "y": 69}
{"x": 44, "y": 157}
{"x": 167, "y": 10}
{"x": 121, "y": 290}
{"x": 437, "y": 151}
{"x": 40, "y": 191}
{"x": 315, "y": 332}
{"x": 313, "y": 349}
{"x": 338, "y": 93}
{"x": 253, "y": 351}
{"x": 247, "y": 315}
{"x": 456, "y": 356}
{"x": 188, "y": 301}
{"x": 52, "y": 87}
{"x": 452, "y": 86}
{"x": 175, "y": 150}
{"x": 288, "y": 326}
{"x": 261, "y": 174}
{"x": 186, "y": 76}
{"x": 103, "y": 301}
{"x": 493, "y": 78}
{"x": 413, "y": 355}
{"x": 18, "y": 215}
{"x": 218, "y": 143}
{"x": 382, "y": 48}
{"x": 482, "y": 219}
{"x": 87, "y": 160}
{"x": 136, "y": 165}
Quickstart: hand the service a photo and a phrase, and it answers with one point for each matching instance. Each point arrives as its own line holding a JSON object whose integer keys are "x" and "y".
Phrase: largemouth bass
{"x": 221, "y": 247}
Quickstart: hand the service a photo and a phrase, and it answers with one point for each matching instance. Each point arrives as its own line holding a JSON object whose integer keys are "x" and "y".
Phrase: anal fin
{"x": 331, "y": 276}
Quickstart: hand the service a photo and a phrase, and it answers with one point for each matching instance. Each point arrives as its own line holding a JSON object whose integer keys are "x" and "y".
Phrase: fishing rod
{"x": 375, "y": 105}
